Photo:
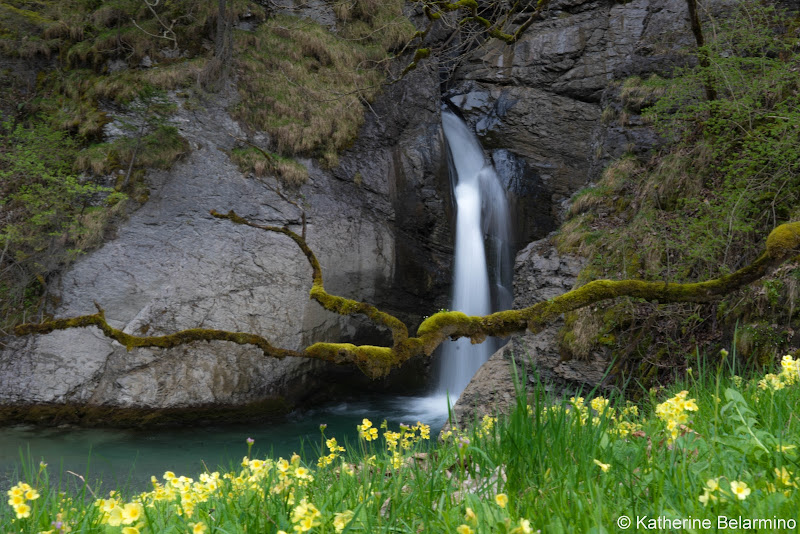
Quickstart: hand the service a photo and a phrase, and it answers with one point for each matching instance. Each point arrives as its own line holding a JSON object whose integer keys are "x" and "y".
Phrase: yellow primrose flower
{"x": 464, "y": 529}
{"x": 22, "y": 511}
{"x": 740, "y": 489}
{"x": 131, "y": 512}
{"x": 198, "y": 528}
{"x": 115, "y": 517}
{"x": 501, "y": 499}
{"x": 712, "y": 484}
{"x": 604, "y": 467}
{"x": 784, "y": 476}
{"x": 470, "y": 516}
{"x": 705, "y": 497}
{"x": 130, "y": 530}
{"x": 306, "y": 524}
{"x": 31, "y": 494}
{"x": 424, "y": 430}
{"x": 599, "y": 404}
{"x": 523, "y": 528}
{"x": 16, "y": 500}
{"x": 333, "y": 446}
{"x": 341, "y": 519}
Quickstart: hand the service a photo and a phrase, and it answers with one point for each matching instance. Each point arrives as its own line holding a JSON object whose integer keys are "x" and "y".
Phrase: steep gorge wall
{"x": 380, "y": 222}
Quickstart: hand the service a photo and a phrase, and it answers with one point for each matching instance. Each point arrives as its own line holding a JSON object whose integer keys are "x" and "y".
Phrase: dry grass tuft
{"x": 288, "y": 171}
{"x": 303, "y": 86}
{"x": 637, "y": 94}
{"x": 677, "y": 175}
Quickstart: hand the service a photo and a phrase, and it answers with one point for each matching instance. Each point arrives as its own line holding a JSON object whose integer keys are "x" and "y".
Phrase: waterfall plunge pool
{"x": 126, "y": 458}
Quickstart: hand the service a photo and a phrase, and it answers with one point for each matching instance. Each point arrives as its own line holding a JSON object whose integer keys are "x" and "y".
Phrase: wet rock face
{"x": 399, "y": 164}
{"x": 541, "y": 100}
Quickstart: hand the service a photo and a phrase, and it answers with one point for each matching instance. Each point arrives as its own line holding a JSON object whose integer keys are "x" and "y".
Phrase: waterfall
{"x": 482, "y": 272}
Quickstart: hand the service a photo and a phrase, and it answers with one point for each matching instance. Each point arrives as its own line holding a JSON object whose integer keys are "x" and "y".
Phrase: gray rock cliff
{"x": 172, "y": 266}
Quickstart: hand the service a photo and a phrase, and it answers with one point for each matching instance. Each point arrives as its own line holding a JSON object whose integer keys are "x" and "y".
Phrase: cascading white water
{"x": 479, "y": 279}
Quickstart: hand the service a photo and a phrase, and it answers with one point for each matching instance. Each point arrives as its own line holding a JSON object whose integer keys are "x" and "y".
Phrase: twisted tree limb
{"x": 782, "y": 244}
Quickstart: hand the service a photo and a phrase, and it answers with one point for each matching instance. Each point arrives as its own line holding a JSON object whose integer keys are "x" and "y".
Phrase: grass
{"x": 307, "y": 87}
{"x": 260, "y": 163}
{"x": 303, "y": 86}
{"x": 158, "y": 149}
{"x": 713, "y": 447}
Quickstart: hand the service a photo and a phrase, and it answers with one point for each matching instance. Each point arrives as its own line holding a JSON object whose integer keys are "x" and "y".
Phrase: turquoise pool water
{"x": 127, "y": 458}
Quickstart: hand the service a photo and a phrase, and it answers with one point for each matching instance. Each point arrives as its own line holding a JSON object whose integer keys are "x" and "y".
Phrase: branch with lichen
{"x": 782, "y": 244}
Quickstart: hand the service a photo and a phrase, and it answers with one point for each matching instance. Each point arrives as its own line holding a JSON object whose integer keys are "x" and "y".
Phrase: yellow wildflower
{"x": 705, "y": 497}
{"x": 599, "y": 404}
{"x": 22, "y": 511}
{"x": 740, "y": 489}
{"x": 785, "y": 477}
{"x": 464, "y": 529}
{"x": 771, "y": 381}
{"x": 673, "y": 412}
{"x": 604, "y": 467}
{"x": 131, "y": 512}
{"x": 341, "y": 519}
{"x": 198, "y": 528}
{"x": 424, "y": 430}
{"x": 130, "y": 530}
{"x": 115, "y": 517}
{"x": 470, "y": 516}
{"x": 523, "y": 528}
{"x": 501, "y": 499}
{"x": 306, "y": 524}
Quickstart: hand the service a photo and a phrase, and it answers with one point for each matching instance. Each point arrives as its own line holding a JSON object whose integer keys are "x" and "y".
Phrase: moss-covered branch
{"x": 782, "y": 244}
